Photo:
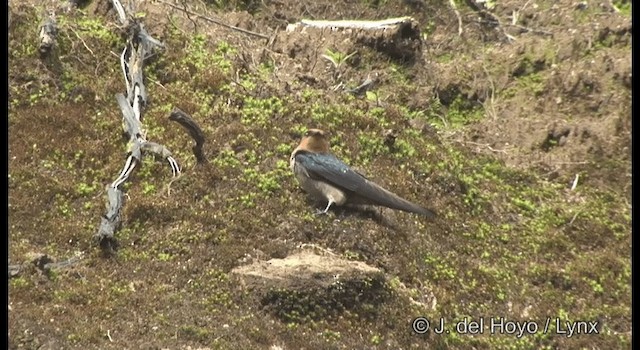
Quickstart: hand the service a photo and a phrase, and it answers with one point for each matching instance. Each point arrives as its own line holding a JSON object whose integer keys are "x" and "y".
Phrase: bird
{"x": 325, "y": 177}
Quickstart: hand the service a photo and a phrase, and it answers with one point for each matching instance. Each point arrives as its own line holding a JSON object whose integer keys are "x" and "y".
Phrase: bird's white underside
{"x": 317, "y": 189}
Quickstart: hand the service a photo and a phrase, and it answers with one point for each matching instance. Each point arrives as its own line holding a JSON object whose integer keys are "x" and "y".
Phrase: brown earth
{"x": 517, "y": 134}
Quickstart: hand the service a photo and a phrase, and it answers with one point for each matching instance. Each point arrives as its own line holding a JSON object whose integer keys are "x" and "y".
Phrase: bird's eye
{"x": 307, "y": 133}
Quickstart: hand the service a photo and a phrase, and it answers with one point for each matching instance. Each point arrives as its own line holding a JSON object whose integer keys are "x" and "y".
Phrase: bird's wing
{"x": 328, "y": 168}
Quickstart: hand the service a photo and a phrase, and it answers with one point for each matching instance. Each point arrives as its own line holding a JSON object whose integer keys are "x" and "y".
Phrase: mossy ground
{"x": 512, "y": 240}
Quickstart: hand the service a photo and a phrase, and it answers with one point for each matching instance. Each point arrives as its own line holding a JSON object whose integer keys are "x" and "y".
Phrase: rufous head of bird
{"x": 314, "y": 140}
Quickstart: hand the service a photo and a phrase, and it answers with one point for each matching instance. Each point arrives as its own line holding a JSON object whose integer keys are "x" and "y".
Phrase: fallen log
{"x": 399, "y": 38}
{"x": 139, "y": 46}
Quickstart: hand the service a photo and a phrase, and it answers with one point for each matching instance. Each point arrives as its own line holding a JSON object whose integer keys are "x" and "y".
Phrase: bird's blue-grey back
{"x": 326, "y": 167}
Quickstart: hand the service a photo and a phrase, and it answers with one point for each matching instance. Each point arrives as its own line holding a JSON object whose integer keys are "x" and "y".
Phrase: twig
{"x": 493, "y": 19}
{"x": 532, "y": 30}
{"x": 573, "y": 218}
{"x": 245, "y": 31}
{"x": 492, "y": 100}
{"x": 455, "y": 10}
{"x": 486, "y": 145}
{"x": 528, "y": 29}
{"x": 195, "y": 23}
{"x": 575, "y": 182}
{"x": 569, "y": 163}
{"x": 156, "y": 82}
{"x": 44, "y": 263}
{"x": 525, "y": 5}
{"x": 174, "y": 179}
{"x": 83, "y": 43}
{"x": 121, "y": 13}
{"x": 193, "y": 129}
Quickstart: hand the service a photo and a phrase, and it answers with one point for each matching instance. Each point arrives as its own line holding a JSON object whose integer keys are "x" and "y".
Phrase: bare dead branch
{"x": 487, "y": 146}
{"x": 490, "y": 18}
{"x": 452, "y": 3}
{"x": 218, "y": 22}
{"x": 48, "y": 33}
{"x": 131, "y": 125}
{"x": 122, "y": 16}
{"x": 575, "y": 182}
{"x": 193, "y": 129}
{"x": 82, "y": 41}
{"x": 43, "y": 263}
{"x": 111, "y": 221}
{"x": 139, "y": 47}
{"x": 532, "y": 30}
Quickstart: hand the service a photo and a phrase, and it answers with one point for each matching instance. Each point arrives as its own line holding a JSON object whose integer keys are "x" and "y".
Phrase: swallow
{"x": 325, "y": 177}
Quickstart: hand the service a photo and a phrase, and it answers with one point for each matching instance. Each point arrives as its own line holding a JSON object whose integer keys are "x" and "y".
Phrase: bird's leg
{"x": 326, "y": 210}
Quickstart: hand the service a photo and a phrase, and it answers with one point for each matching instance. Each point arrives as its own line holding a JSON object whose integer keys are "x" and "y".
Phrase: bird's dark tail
{"x": 376, "y": 195}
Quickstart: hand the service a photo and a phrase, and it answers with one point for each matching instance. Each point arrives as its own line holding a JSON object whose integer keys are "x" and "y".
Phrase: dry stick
{"x": 487, "y": 146}
{"x": 573, "y": 218}
{"x": 193, "y": 129}
{"x": 138, "y": 46}
{"x": 195, "y": 23}
{"x": 575, "y": 182}
{"x": 245, "y": 31}
{"x": 492, "y": 100}
{"x": 111, "y": 221}
{"x": 122, "y": 15}
{"x": 493, "y": 19}
{"x": 48, "y": 33}
{"x": 532, "y": 30}
{"x": 528, "y": 29}
{"x": 455, "y": 10}
{"x": 83, "y": 43}
{"x": 44, "y": 263}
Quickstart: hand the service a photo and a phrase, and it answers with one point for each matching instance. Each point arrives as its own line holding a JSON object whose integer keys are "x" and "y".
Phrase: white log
{"x": 352, "y": 24}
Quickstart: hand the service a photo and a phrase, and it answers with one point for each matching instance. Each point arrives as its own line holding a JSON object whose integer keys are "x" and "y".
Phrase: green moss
{"x": 532, "y": 82}
{"x": 226, "y": 159}
{"x": 84, "y": 189}
{"x": 194, "y": 333}
{"x": 18, "y": 283}
{"x": 439, "y": 269}
{"x": 198, "y": 56}
{"x": 95, "y": 28}
{"x": 261, "y": 112}
{"x": 624, "y": 6}
{"x": 370, "y": 146}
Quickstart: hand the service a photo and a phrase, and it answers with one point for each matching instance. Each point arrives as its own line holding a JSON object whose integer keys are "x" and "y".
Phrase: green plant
{"x": 337, "y": 58}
